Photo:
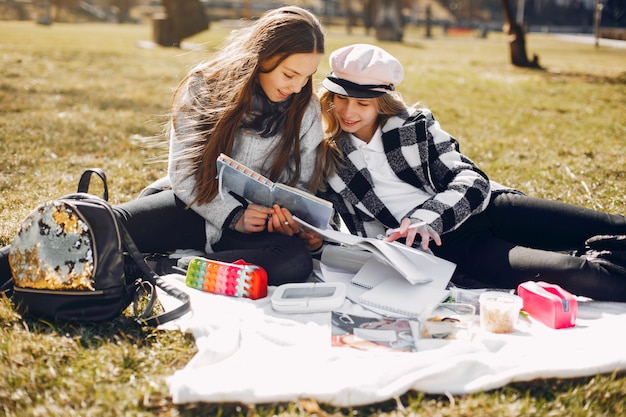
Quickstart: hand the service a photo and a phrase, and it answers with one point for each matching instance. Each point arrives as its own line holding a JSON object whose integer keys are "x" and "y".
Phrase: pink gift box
{"x": 548, "y": 303}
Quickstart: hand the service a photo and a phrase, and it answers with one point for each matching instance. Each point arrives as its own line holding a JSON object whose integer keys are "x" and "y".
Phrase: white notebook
{"x": 373, "y": 273}
{"x": 398, "y": 296}
{"x": 387, "y": 290}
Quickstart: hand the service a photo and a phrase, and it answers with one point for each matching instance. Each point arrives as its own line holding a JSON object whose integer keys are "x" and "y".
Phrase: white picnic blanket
{"x": 250, "y": 354}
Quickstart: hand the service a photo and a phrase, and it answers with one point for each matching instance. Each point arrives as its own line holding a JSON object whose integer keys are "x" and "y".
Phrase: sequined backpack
{"x": 70, "y": 261}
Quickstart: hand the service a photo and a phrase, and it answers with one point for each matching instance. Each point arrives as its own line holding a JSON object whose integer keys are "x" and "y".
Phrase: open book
{"x": 415, "y": 265}
{"x": 258, "y": 189}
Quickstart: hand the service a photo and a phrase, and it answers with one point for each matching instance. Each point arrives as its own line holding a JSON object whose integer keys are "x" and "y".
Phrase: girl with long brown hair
{"x": 254, "y": 101}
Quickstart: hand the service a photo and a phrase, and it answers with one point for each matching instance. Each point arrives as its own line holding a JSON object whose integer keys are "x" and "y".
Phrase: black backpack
{"x": 69, "y": 261}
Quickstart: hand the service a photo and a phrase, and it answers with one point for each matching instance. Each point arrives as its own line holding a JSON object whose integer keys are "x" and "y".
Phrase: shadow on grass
{"x": 544, "y": 394}
{"x": 89, "y": 335}
{"x": 564, "y": 76}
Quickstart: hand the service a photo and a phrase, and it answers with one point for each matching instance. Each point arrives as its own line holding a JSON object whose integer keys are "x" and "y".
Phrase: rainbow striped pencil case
{"x": 237, "y": 279}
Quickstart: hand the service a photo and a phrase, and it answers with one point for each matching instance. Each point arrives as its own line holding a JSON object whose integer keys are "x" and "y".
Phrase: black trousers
{"x": 160, "y": 223}
{"x": 520, "y": 238}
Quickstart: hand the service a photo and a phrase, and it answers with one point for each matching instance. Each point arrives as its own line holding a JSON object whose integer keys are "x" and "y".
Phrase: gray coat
{"x": 251, "y": 150}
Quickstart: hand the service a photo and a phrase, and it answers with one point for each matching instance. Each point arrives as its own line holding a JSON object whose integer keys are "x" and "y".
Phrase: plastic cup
{"x": 499, "y": 311}
{"x": 447, "y": 321}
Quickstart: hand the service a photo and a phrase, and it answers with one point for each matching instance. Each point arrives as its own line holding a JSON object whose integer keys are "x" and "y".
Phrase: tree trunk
{"x": 183, "y": 18}
{"x": 517, "y": 39}
{"x": 123, "y": 10}
{"x": 388, "y": 20}
{"x": 350, "y": 18}
{"x": 369, "y": 13}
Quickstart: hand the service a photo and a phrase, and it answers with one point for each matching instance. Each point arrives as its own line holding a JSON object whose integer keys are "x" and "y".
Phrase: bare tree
{"x": 122, "y": 9}
{"x": 517, "y": 38}
{"x": 389, "y": 20}
{"x": 385, "y": 16}
{"x": 52, "y": 9}
{"x": 369, "y": 12}
{"x": 183, "y": 18}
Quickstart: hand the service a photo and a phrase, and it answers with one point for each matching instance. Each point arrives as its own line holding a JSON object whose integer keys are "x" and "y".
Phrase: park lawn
{"x": 77, "y": 96}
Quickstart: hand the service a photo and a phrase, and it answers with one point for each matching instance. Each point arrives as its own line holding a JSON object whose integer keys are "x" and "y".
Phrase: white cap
{"x": 363, "y": 71}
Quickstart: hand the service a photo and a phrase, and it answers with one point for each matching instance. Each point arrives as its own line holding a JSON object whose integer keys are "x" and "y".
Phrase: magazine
{"x": 258, "y": 189}
{"x": 373, "y": 333}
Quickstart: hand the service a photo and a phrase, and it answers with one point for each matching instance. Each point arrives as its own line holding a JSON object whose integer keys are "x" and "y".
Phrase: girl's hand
{"x": 409, "y": 230}
{"x": 311, "y": 240}
{"x": 254, "y": 219}
{"x": 282, "y": 222}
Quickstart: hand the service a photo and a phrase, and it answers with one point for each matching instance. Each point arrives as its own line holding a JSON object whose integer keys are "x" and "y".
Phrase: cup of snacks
{"x": 499, "y": 311}
{"x": 447, "y": 321}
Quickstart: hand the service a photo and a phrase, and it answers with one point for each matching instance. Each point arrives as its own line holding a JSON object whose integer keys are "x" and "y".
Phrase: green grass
{"x": 76, "y": 96}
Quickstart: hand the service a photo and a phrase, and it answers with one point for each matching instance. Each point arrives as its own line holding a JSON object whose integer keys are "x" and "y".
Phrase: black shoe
{"x": 609, "y": 250}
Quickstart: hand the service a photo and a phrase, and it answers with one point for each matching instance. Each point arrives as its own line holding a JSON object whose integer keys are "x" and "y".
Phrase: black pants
{"x": 160, "y": 223}
{"x": 520, "y": 238}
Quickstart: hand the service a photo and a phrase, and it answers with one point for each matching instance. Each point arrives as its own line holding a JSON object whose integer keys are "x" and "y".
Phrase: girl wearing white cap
{"x": 390, "y": 166}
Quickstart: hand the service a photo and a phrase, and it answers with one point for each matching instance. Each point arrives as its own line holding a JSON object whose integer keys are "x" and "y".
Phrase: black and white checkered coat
{"x": 421, "y": 154}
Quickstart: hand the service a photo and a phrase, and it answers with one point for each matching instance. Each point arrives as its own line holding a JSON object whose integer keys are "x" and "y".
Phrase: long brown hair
{"x": 223, "y": 88}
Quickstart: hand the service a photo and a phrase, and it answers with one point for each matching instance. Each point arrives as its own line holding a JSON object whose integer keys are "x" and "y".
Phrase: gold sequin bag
{"x": 67, "y": 261}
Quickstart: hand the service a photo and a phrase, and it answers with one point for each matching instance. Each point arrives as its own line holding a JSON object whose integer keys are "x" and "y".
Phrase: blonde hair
{"x": 222, "y": 89}
{"x": 330, "y": 156}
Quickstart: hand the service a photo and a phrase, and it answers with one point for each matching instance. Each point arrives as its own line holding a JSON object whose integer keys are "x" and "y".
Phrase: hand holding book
{"x": 258, "y": 189}
{"x": 281, "y": 220}
{"x": 254, "y": 219}
{"x": 257, "y": 218}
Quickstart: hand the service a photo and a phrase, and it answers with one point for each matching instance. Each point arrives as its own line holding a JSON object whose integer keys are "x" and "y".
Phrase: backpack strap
{"x": 6, "y": 287}
{"x": 148, "y": 285}
{"x": 85, "y": 179}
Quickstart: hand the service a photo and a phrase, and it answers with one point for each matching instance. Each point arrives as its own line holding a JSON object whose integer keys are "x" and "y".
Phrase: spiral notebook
{"x": 389, "y": 291}
{"x": 373, "y": 273}
{"x": 398, "y": 296}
